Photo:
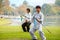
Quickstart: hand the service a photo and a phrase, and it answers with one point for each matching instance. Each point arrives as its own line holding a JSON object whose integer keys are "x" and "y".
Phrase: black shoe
{"x": 34, "y": 39}
{"x": 25, "y": 31}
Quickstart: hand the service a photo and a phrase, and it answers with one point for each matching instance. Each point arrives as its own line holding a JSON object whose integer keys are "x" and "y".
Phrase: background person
{"x": 26, "y": 24}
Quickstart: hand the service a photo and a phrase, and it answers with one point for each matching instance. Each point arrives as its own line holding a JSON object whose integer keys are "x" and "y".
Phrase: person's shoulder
{"x": 41, "y": 13}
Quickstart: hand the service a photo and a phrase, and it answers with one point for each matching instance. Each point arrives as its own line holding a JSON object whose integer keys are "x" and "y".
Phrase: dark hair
{"x": 38, "y": 7}
{"x": 28, "y": 9}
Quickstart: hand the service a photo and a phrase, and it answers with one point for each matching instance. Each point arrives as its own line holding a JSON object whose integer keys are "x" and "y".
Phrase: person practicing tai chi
{"x": 27, "y": 19}
{"x": 37, "y": 21}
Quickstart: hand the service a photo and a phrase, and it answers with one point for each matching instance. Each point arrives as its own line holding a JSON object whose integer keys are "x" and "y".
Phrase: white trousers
{"x": 34, "y": 29}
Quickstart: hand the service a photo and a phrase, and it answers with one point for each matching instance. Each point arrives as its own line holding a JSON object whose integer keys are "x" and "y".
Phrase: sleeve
{"x": 30, "y": 16}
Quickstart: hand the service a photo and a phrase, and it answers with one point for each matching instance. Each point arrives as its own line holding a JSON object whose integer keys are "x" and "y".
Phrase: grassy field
{"x": 16, "y": 33}
{"x": 8, "y": 32}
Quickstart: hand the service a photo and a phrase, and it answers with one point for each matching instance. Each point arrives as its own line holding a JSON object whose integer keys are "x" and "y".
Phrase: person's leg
{"x": 28, "y": 26}
{"x": 23, "y": 27}
{"x": 32, "y": 30}
{"x": 41, "y": 33}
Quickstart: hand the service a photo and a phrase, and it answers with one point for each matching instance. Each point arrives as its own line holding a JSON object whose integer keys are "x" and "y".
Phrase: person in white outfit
{"x": 37, "y": 21}
{"x": 26, "y": 22}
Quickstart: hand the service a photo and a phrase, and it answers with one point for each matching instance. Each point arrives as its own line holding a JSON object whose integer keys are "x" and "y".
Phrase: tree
{"x": 1, "y": 6}
{"x": 57, "y": 2}
{"x": 0, "y": 3}
{"x": 46, "y": 8}
{"x": 25, "y": 3}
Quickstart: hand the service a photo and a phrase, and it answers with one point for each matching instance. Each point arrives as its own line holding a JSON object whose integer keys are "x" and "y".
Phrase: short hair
{"x": 38, "y": 7}
{"x": 28, "y": 9}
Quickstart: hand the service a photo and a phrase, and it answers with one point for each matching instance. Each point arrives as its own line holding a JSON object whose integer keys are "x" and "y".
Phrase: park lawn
{"x": 16, "y": 33}
{"x": 8, "y": 32}
{"x": 4, "y": 21}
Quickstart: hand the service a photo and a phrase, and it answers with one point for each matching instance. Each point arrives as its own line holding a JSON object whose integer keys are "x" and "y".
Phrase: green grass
{"x": 8, "y": 32}
{"x": 15, "y": 32}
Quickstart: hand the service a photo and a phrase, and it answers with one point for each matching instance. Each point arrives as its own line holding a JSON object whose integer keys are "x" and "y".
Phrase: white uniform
{"x": 26, "y": 22}
{"x": 37, "y": 25}
{"x": 27, "y": 17}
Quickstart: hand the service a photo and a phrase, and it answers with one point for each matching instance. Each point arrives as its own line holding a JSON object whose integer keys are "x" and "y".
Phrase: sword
{"x": 48, "y": 30}
{"x": 44, "y": 27}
